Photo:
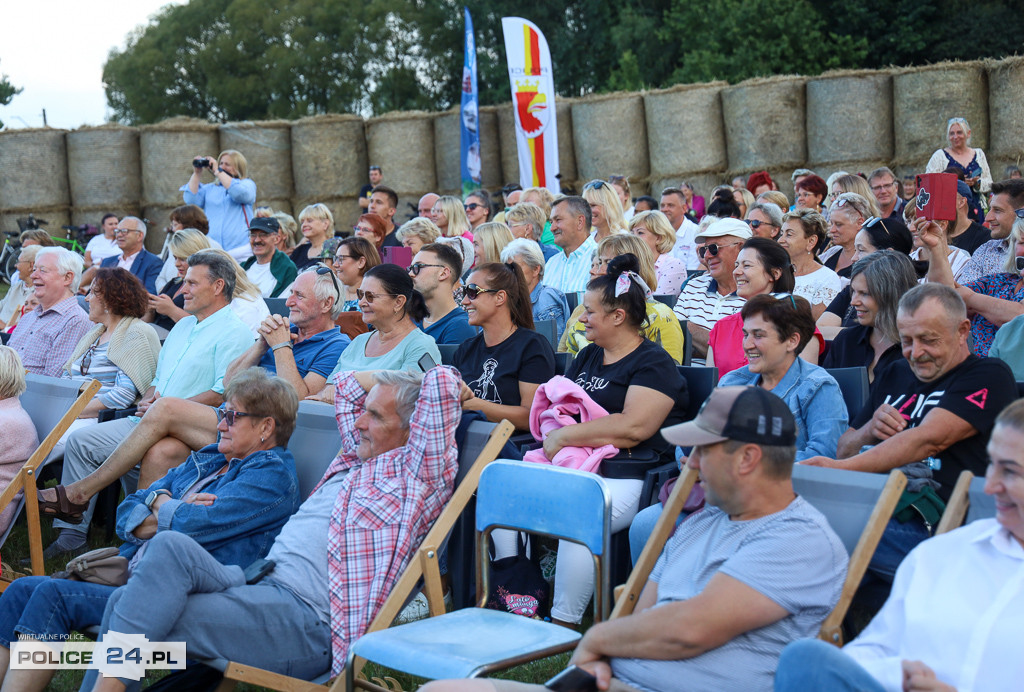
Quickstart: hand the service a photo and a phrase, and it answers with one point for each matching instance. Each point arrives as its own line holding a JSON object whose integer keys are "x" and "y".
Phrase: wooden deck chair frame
{"x": 25, "y": 480}
{"x": 831, "y": 629}
{"x": 956, "y": 509}
{"x": 424, "y": 565}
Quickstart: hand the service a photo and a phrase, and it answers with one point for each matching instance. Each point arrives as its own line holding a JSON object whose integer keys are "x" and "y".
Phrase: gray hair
{"x": 66, "y": 261}
{"x": 576, "y": 206}
{"x": 889, "y": 274}
{"x": 1015, "y": 239}
{"x": 12, "y": 374}
{"x": 799, "y": 172}
{"x": 951, "y": 302}
{"x": 140, "y": 225}
{"x": 219, "y": 268}
{"x": 526, "y": 250}
{"x": 29, "y": 253}
{"x": 879, "y": 172}
{"x": 421, "y": 228}
{"x": 326, "y": 288}
{"x": 769, "y": 209}
{"x": 527, "y": 212}
{"x": 407, "y": 386}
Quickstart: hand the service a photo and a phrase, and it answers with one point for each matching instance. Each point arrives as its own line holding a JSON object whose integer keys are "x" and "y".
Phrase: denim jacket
{"x": 549, "y": 304}
{"x": 815, "y": 400}
{"x": 255, "y": 497}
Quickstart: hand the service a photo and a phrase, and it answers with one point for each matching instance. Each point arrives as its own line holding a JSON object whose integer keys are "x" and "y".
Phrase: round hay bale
{"x": 764, "y": 123}
{"x": 610, "y": 136}
{"x": 166, "y": 150}
{"x": 329, "y": 156}
{"x": 402, "y": 144}
{"x": 447, "y": 146}
{"x": 54, "y": 217}
{"x": 924, "y": 98}
{"x": 92, "y": 215}
{"x": 104, "y": 167}
{"x": 490, "y": 148}
{"x": 267, "y": 147}
{"x": 1005, "y": 110}
{"x": 837, "y": 132}
{"x": 33, "y": 169}
{"x": 685, "y": 130}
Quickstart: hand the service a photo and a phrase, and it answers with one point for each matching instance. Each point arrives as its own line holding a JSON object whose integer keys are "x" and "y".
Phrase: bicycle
{"x": 9, "y": 256}
{"x": 81, "y": 238}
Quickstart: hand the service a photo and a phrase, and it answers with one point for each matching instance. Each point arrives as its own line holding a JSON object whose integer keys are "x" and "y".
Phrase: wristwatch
{"x": 151, "y": 498}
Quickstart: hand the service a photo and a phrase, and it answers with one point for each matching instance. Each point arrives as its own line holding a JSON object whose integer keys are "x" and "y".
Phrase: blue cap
{"x": 963, "y": 190}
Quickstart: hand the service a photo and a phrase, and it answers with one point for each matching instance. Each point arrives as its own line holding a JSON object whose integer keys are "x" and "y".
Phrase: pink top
{"x": 726, "y": 340}
{"x": 671, "y": 273}
{"x": 18, "y": 440}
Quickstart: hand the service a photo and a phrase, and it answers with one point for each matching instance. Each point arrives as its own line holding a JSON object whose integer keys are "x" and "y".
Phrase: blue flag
{"x": 469, "y": 120}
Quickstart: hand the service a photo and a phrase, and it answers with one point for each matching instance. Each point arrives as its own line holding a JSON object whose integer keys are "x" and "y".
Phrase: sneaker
{"x": 419, "y": 609}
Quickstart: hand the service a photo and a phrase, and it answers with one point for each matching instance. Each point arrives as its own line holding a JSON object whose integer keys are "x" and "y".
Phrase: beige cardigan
{"x": 134, "y": 347}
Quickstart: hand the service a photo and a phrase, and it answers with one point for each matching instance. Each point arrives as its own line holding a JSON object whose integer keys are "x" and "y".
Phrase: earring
{"x": 262, "y": 439}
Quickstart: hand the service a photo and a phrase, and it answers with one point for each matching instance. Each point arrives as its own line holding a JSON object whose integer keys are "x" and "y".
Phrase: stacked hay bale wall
{"x": 34, "y": 178}
{"x": 448, "y": 144}
{"x": 1005, "y": 115}
{"x": 566, "y": 152}
{"x": 685, "y": 134}
{"x": 329, "y": 165}
{"x": 402, "y": 144}
{"x": 267, "y": 147}
{"x": 104, "y": 172}
{"x": 610, "y": 137}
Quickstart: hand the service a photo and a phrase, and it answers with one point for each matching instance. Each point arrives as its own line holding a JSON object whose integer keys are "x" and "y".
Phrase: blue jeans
{"x": 811, "y": 664}
{"x": 897, "y": 540}
{"x": 44, "y": 608}
{"x": 643, "y": 526}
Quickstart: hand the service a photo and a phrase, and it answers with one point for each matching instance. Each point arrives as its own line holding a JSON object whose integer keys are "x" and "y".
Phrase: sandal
{"x": 62, "y": 508}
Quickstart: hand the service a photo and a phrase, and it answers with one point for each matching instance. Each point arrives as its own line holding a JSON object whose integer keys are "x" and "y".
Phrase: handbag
{"x": 517, "y": 584}
{"x": 101, "y": 566}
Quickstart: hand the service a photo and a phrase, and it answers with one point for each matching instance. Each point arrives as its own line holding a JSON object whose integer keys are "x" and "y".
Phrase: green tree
{"x": 7, "y": 92}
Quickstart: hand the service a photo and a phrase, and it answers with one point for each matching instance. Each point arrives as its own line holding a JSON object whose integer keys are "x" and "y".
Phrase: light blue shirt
{"x": 228, "y": 211}
{"x": 571, "y": 274}
{"x": 404, "y": 356}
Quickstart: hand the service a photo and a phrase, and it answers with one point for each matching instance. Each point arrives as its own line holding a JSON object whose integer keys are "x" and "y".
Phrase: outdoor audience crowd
{"x": 575, "y": 308}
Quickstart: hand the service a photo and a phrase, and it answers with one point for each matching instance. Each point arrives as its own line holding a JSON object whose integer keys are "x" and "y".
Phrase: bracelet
{"x": 283, "y": 344}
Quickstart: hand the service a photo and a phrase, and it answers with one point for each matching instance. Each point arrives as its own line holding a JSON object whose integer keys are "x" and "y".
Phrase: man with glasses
{"x": 134, "y": 258}
{"x": 269, "y": 268}
{"x": 675, "y": 207}
{"x": 710, "y": 296}
{"x": 569, "y": 270}
{"x": 434, "y": 272}
{"x": 990, "y": 257}
{"x": 886, "y": 191}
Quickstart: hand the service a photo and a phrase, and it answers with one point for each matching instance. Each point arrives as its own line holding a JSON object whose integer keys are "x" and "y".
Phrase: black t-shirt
{"x": 840, "y": 305}
{"x": 649, "y": 365}
{"x": 974, "y": 237}
{"x": 391, "y": 239}
{"x": 169, "y": 289}
{"x": 977, "y": 390}
{"x": 852, "y": 348}
{"x": 300, "y": 256}
{"x": 494, "y": 373}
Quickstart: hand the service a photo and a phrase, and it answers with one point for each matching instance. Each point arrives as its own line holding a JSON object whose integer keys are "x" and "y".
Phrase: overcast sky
{"x": 55, "y": 50}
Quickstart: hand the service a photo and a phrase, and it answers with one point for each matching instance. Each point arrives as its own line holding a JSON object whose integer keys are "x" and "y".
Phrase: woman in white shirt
{"x": 803, "y": 233}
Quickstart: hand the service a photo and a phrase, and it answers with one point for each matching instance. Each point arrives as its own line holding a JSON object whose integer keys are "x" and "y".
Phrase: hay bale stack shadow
{"x": 267, "y": 147}
{"x": 765, "y": 123}
{"x": 849, "y": 117}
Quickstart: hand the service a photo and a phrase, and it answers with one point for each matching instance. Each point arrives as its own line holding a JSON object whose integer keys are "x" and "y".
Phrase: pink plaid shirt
{"x": 385, "y": 505}
{"x": 45, "y": 339}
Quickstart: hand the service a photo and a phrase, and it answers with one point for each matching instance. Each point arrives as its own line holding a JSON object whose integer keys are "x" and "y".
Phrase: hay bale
{"x": 685, "y": 130}
{"x": 166, "y": 150}
{"x": 92, "y": 215}
{"x": 510, "y": 153}
{"x": 764, "y": 123}
{"x": 33, "y": 169}
{"x": 1005, "y": 110}
{"x": 402, "y": 144}
{"x": 329, "y": 156}
{"x": 837, "y": 132}
{"x": 104, "y": 167}
{"x": 610, "y": 136}
{"x": 267, "y": 147}
{"x": 924, "y": 98}
{"x": 447, "y": 145}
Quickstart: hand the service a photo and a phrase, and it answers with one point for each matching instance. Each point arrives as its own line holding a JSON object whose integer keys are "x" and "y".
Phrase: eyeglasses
{"x": 87, "y": 358}
{"x": 231, "y": 416}
{"x": 473, "y": 291}
{"x": 472, "y": 205}
{"x": 755, "y": 224}
{"x": 883, "y": 187}
{"x": 341, "y": 258}
{"x": 324, "y": 269}
{"x": 370, "y": 296}
{"x": 594, "y": 185}
{"x": 123, "y": 231}
{"x": 360, "y": 229}
{"x": 1020, "y": 213}
{"x": 712, "y": 249}
{"x": 417, "y": 267}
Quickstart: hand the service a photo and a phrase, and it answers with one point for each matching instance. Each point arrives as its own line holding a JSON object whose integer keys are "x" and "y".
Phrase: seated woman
{"x": 548, "y": 302}
{"x": 503, "y": 365}
{"x": 489, "y": 239}
{"x": 392, "y": 307}
{"x": 654, "y": 229}
{"x": 371, "y": 227}
{"x": 605, "y": 210}
{"x": 417, "y": 233}
{"x": 640, "y": 387}
{"x": 317, "y": 223}
{"x": 762, "y": 266}
{"x": 803, "y": 234}
{"x": 18, "y": 436}
{"x": 232, "y": 497}
{"x": 846, "y": 216}
{"x": 662, "y": 325}
{"x": 879, "y": 280}
{"x": 354, "y": 257}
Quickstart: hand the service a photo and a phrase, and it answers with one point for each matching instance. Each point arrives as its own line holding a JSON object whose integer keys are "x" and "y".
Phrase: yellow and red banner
{"x": 533, "y": 100}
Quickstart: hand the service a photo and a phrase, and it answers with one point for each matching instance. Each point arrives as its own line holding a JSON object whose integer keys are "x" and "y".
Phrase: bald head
{"x": 426, "y": 204}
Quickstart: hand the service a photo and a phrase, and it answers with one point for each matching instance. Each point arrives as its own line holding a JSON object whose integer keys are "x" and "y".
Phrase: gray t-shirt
{"x": 300, "y": 550}
{"x": 793, "y": 557}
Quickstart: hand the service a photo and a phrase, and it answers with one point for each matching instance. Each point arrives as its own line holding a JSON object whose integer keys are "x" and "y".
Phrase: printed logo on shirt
{"x": 913, "y": 407}
{"x": 979, "y": 398}
{"x": 594, "y": 384}
{"x": 483, "y": 387}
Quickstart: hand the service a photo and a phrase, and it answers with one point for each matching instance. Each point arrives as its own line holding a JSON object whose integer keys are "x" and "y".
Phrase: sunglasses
{"x": 873, "y": 221}
{"x": 473, "y": 291}
{"x": 594, "y": 185}
{"x": 323, "y": 269}
{"x": 1020, "y": 213}
{"x": 472, "y": 205}
{"x": 231, "y": 416}
{"x": 753, "y": 223}
{"x": 87, "y": 358}
{"x": 370, "y": 296}
{"x": 712, "y": 249}
{"x": 417, "y": 267}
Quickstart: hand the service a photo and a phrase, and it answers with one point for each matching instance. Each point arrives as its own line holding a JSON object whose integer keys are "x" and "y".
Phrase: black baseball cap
{"x": 740, "y": 414}
{"x": 265, "y": 224}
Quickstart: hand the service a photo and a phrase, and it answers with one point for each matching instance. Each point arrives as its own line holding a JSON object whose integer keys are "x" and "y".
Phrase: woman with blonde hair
{"x": 317, "y": 224}
{"x": 744, "y": 199}
{"x": 417, "y": 233}
{"x": 290, "y": 235}
{"x": 227, "y": 201}
{"x": 545, "y": 199}
{"x": 605, "y": 209}
{"x": 449, "y": 215}
{"x": 847, "y": 214}
{"x": 489, "y": 240}
{"x": 857, "y": 185}
{"x": 654, "y": 229}
{"x": 662, "y": 325}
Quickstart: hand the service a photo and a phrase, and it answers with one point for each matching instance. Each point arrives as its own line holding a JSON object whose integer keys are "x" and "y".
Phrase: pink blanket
{"x": 558, "y": 403}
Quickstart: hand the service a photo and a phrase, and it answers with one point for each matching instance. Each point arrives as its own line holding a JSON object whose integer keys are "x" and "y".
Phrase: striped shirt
{"x": 702, "y": 304}
{"x": 116, "y": 389}
{"x": 571, "y": 274}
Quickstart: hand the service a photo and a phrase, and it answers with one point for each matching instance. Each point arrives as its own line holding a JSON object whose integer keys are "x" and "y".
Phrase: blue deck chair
{"x": 968, "y": 500}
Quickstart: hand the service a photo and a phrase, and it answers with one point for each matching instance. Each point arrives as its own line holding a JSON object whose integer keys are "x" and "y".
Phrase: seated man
{"x": 935, "y": 405}
{"x": 336, "y": 560}
{"x": 47, "y": 336}
{"x": 435, "y": 271}
{"x": 191, "y": 365}
{"x": 269, "y": 268}
{"x": 135, "y": 258}
{"x": 172, "y": 427}
{"x": 235, "y": 515}
{"x": 740, "y": 578}
{"x": 953, "y": 619}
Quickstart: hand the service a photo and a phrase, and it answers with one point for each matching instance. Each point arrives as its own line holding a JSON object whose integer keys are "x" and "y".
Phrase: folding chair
{"x": 687, "y": 343}
{"x": 967, "y": 499}
{"x": 572, "y": 298}
{"x": 667, "y": 299}
{"x": 314, "y": 443}
{"x": 562, "y": 361}
{"x": 549, "y": 328}
{"x": 853, "y": 383}
{"x": 700, "y": 382}
{"x": 423, "y": 565}
{"x": 536, "y": 498}
{"x": 53, "y": 404}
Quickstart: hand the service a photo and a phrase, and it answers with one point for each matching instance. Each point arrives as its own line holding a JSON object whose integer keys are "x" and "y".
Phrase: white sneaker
{"x": 419, "y": 609}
